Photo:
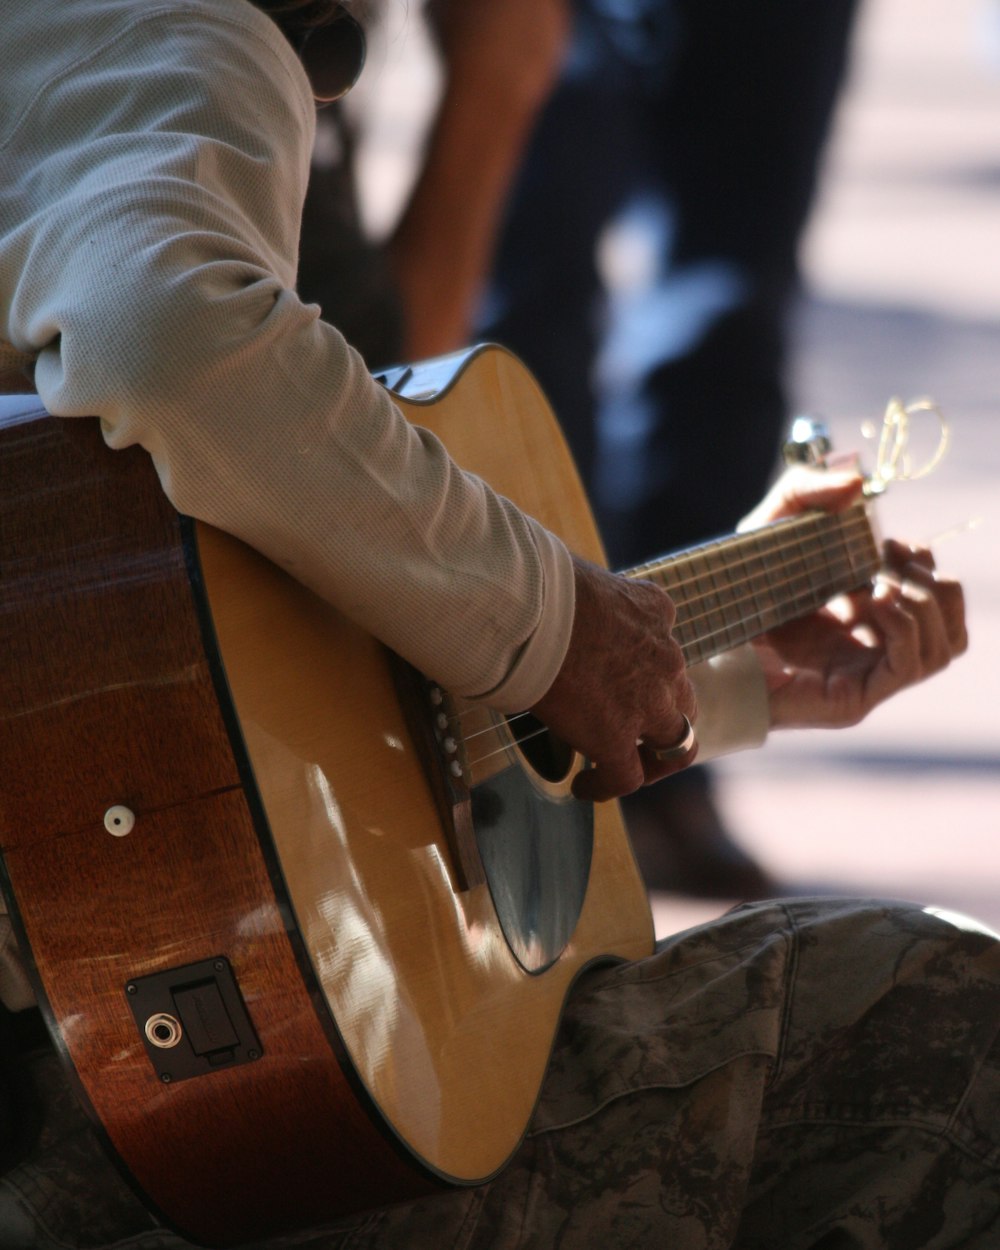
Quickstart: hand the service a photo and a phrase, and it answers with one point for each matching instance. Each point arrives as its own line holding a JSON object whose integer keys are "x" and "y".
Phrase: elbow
{"x": 134, "y": 356}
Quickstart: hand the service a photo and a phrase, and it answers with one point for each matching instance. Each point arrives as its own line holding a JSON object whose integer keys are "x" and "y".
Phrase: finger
{"x": 626, "y": 770}
{"x": 802, "y": 488}
{"x": 811, "y": 641}
{"x": 940, "y": 606}
{"x": 922, "y": 603}
{"x": 610, "y": 778}
{"x": 895, "y": 622}
{"x": 898, "y": 555}
{"x": 660, "y": 762}
{"x": 951, "y": 597}
{"x": 676, "y": 716}
{"x": 948, "y": 597}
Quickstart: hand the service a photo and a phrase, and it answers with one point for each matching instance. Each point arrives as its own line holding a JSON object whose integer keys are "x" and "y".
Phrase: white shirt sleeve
{"x": 733, "y": 711}
{"x": 157, "y": 252}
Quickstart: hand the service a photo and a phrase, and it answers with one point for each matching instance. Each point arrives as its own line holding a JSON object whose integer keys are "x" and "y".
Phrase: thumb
{"x": 804, "y": 488}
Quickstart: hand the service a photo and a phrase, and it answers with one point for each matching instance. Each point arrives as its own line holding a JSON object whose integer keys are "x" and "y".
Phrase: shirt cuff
{"x": 733, "y": 709}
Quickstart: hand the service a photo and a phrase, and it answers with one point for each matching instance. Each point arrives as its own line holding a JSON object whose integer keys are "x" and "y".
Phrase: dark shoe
{"x": 682, "y": 845}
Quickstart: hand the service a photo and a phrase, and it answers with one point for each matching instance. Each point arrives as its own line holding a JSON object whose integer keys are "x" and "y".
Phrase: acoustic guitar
{"x": 302, "y": 924}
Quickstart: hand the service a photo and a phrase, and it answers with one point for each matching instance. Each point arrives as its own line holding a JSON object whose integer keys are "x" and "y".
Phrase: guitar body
{"x": 284, "y": 993}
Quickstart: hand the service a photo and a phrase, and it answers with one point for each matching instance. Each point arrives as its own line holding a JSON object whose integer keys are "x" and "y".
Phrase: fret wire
{"x": 758, "y": 567}
{"x": 846, "y": 552}
{"x": 810, "y": 571}
{"x": 704, "y": 582}
{"x": 814, "y": 595}
{"x": 677, "y": 586}
{"x": 758, "y": 573}
{"x": 805, "y": 565}
{"x": 801, "y": 589}
{"x": 658, "y": 568}
{"x": 706, "y": 644}
{"x": 797, "y": 585}
{"x": 719, "y": 608}
{"x": 868, "y": 549}
{"x": 794, "y": 590}
{"x": 853, "y": 519}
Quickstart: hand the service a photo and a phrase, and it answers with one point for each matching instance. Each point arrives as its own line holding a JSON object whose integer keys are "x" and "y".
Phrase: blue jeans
{"x": 687, "y": 134}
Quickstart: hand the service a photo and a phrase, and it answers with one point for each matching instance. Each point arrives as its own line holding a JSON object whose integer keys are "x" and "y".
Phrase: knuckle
{"x": 656, "y": 600}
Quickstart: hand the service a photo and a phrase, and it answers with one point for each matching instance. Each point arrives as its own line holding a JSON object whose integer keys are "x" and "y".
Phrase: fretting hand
{"x": 622, "y": 691}
{"x": 833, "y": 667}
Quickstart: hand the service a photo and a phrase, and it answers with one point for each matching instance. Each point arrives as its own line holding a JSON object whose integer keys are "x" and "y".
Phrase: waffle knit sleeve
{"x": 153, "y": 212}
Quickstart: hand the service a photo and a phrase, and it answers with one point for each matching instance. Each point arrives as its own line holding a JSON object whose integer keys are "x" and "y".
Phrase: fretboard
{"x": 730, "y": 590}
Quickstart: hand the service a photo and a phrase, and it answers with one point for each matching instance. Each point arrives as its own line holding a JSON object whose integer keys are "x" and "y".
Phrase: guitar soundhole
{"x": 547, "y": 755}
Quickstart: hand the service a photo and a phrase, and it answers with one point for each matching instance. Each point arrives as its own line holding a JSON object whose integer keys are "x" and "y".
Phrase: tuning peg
{"x": 808, "y": 441}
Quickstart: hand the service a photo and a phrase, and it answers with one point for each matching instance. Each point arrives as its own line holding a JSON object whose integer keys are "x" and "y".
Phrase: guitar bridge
{"x": 441, "y": 749}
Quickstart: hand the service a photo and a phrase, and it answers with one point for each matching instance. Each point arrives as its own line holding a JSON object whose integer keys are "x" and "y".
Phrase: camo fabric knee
{"x": 816, "y": 1074}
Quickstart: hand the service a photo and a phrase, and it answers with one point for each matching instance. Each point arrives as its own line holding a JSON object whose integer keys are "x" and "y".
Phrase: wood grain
{"x": 112, "y": 702}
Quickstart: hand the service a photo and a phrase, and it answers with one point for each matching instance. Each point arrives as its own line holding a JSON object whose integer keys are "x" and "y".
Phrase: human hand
{"x": 833, "y": 667}
{"x": 803, "y": 488}
{"x": 622, "y": 691}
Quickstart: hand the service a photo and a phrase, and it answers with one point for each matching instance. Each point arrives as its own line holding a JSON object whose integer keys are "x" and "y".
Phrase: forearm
{"x": 443, "y": 246}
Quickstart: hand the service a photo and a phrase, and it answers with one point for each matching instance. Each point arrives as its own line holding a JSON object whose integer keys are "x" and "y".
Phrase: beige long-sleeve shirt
{"x": 153, "y": 162}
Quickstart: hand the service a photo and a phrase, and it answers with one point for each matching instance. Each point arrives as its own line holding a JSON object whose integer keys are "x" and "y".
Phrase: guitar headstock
{"x": 894, "y": 461}
{"x": 809, "y": 442}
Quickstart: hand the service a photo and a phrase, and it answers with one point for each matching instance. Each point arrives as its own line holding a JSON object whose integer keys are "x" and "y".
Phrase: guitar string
{"x": 499, "y": 725}
{"x": 827, "y": 538}
{"x": 853, "y": 529}
{"x": 798, "y": 565}
{"x": 799, "y": 584}
{"x": 798, "y": 581}
{"x": 691, "y": 644}
{"x": 843, "y": 563}
{"x": 795, "y": 568}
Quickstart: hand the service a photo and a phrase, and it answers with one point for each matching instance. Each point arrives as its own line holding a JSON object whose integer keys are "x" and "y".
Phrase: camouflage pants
{"x": 818, "y": 1073}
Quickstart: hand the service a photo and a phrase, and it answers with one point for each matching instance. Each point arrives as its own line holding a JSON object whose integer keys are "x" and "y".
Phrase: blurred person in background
{"x": 664, "y": 155}
{"x": 646, "y": 272}
{"x": 414, "y": 294}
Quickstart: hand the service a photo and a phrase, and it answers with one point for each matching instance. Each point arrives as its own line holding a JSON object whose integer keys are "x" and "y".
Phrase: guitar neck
{"x": 733, "y": 589}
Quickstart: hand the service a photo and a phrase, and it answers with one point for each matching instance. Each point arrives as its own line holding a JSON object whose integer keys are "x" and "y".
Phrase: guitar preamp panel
{"x": 192, "y": 1020}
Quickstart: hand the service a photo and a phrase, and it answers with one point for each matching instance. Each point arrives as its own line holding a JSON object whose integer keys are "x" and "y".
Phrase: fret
{"x": 710, "y": 611}
{"x": 786, "y": 576}
{"x": 723, "y": 595}
{"x": 862, "y": 550}
{"x": 766, "y": 584}
{"x": 730, "y": 590}
{"x": 813, "y": 576}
